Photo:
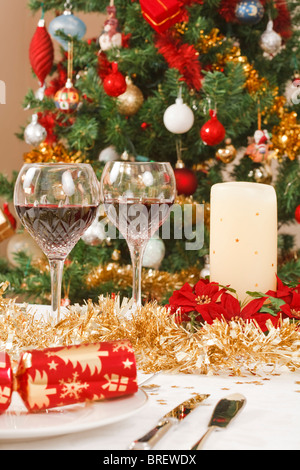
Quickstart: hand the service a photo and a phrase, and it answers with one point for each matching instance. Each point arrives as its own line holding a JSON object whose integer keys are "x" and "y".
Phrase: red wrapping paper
{"x": 161, "y": 14}
{"x": 62, "y": 376}
{"x": 6, "y": 381}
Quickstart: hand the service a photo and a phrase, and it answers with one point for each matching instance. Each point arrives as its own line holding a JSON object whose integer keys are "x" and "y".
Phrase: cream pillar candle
{"x": 243, "y": 236}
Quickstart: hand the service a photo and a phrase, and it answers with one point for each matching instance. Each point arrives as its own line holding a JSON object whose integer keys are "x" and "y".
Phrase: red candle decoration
{"x": 62, "y": 376}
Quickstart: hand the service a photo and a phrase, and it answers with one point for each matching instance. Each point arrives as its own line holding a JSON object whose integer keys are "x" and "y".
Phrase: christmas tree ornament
{"x": 67, "y": 98}
{"x": 41, "y": 52}
{"x": 205, "y": 272}
{"x": 212, "y": 132}
{"x": 114, "y": 83}
{"x": 178, "y": 118}
{"x": 69, "y": 24}
{"x": 292, "y": 90}
{"x": 249, "y": 12}
{"x": 111, "y": 36}
{"x": 227, "y": 154}
{"x": 261, "y": 174}
{"x": 130, "y": 102}
{"x": 186, "y": 181}
{"x": 34, "y": 133}
{"x": 161, "y": 15}
{"x": 154, "y": 253}
{"x": 258, "y": 151}
{"x": 23, "y": 243}
{"x": 270, "y": 41}
{"x": 109, "y": 154}
{"x": 297, "y": 214}
{"x": 95, "y": 234}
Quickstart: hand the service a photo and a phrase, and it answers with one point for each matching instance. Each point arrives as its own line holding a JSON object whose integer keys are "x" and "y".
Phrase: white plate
{"x": 17, "y": 424}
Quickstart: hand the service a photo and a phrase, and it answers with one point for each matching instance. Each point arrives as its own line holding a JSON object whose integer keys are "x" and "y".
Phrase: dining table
{"x": 269, "y": 420}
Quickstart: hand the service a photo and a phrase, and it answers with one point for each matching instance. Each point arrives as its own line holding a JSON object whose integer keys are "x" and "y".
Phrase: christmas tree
{"x": 210, "y": 86}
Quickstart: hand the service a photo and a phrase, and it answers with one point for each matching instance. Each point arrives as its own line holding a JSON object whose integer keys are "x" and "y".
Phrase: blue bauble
{"x": 70, "y": 25}
{"x": 249, "y": 11}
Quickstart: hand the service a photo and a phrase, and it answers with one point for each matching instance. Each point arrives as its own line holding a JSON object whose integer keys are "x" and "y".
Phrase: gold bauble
{"x": 130, "y": 102}
{"x": 261, "y": 174}
{"x": 227, "y": 154}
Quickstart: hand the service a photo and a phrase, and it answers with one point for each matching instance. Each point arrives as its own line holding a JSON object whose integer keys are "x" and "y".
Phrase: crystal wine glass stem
{"x": 56, "y": 271}
{"x": 137, "y": 253}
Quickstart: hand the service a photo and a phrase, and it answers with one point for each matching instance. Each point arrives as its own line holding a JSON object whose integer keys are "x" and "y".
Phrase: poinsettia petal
{"x": 231, "y": 305}
{"x": 252, "y": 307}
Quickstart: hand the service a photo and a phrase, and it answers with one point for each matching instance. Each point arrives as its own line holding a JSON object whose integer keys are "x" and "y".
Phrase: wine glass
{"x": 137, "y": 198}
{"x": 56, "y": 203}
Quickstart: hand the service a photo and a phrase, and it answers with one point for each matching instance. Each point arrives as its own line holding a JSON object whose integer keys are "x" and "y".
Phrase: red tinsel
{"x": 49, "y": 120}
{"x": 58, "y": 82}
{"x": 183, "y": 57}
{"x": 104, "y": 66}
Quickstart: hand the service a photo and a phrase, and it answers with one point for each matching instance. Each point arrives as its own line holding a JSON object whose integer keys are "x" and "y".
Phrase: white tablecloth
{"x": 270, "y": 419}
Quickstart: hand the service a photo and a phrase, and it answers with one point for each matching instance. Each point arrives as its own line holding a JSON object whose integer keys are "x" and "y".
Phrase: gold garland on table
{"x": 159, "y": 342}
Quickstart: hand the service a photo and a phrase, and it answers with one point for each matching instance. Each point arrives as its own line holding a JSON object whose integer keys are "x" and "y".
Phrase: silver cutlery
{"x": 225, "y": 410}
{"x": 169, "y": 420}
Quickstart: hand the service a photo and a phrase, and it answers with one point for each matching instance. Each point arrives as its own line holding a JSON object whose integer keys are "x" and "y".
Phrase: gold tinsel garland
{"x": 159, "y": 342}
{"x": 155, "y": 284}
{"x": 46, "y": 153}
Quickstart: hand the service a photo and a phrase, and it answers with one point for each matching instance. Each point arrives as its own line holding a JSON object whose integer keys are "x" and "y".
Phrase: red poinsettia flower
{"x": 251, "y": 312}
{"x": 292, "y": 308}
{"x": 283, "y": 291}
{"x": 203, "y": 300}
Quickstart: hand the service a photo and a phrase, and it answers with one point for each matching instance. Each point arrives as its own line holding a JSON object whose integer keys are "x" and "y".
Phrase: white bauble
{"x": 270, "y": 41}
{"x": 109, "y": 154}
{"x": 34, "y": 133}
{"x": 95, "y": 234}
{"x": 23, "y": 242}
{"x": 178, "y": 118}
{"x": 154, "y": 253}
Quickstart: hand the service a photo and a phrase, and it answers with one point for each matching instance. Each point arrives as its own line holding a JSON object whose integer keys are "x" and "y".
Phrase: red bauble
{"x": 212, "y": 132}
{"x": 41, "y": 52}
{"x": 297, "y": 214}
{"x": 186, "y": 181}
{"x": 114, "y": 84}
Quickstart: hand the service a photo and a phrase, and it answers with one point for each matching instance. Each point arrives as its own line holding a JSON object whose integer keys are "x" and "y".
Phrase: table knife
{"x": 225, "y": 410}
{"x": 169, "y": 420}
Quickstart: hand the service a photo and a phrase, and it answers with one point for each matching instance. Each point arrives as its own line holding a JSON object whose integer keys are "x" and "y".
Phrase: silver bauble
{"x": 270, "y": 41}
{"x": 34, "y": 133}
